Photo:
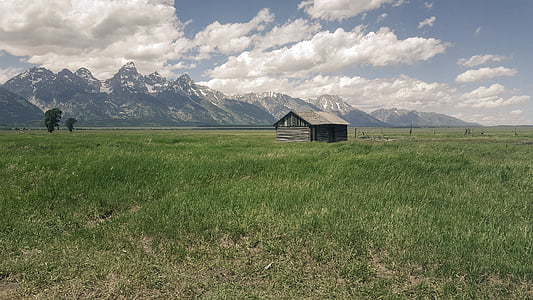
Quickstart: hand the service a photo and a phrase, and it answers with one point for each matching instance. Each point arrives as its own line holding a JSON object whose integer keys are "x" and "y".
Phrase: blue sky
{"x": 471, "y": 59}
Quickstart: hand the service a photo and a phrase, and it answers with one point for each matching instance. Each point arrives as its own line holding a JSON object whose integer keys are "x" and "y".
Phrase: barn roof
{"x": 317, "y": 117}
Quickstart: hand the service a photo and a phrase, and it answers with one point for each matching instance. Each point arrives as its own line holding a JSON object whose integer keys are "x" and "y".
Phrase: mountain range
{"x": 132, "y": 99}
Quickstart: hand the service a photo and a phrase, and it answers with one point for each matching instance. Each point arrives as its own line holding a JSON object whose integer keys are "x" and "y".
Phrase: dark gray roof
{"x": 320, "y": 117}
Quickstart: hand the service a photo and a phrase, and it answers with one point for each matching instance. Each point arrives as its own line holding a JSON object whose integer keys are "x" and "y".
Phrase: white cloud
{"x": 494, "y": 117}
{"x": 369, "y": 94}
{"x": 331, "y": 52}
{"x": 478, "y": 60}
{"x": 98, "y": 34}
{"x": 517, "y": 112}
{"x": 233, "y": 86}
{"x": 428, "y": 5}
{"x": 8, "y": 73}
{"x": 339, "y": 10}
{"x": 229, "y": 38}
{"x": 181, "y": 66}
{"x": 486, "y": 92}
{"x": 401, "y": 92}
{"x": 427, "y": 22}
{"x": 490, "y": 97}
{"x": 365, "y": 94}
{"x": 484, "y": 74}
{"x": 382, "y": 18}
{"x": 291, "y": 32}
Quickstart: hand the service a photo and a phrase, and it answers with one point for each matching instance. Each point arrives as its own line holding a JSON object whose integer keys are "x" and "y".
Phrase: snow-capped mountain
{"x": 337, "y": 105}
{"x": 27, "y": 83}
{"x": 130, "y": 98}
{"x": 406, "y": 118}
{"x": 155, "y": 83}
{"x": 276, "y": 104}
{"x": 127, "y": 80}
{"x": 331, "y": 103}
{"x": 93, "y": 84}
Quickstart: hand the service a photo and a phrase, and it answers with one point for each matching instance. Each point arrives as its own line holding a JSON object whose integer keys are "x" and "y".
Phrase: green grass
{"x": 234, "y": 214}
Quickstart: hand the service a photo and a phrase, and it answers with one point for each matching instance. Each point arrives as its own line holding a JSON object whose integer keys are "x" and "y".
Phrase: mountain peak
{"x": 85, "y": 74}
{"x": 31, "y": 77}
{"x": 128, "y": 68}
{"x": 83, "y": 70}
{"x": 129, "y": 65}
{"x": 185, "y": 78}
{"x": 66, "y": 72}
{"x": 93, "y": 84}
{"x": 155, "y": 76}
{"x": 127, "y": 80}
{"x": 332, "y": 103}
{"x": 184, "y": 82}
{"x": 39, "y": 72}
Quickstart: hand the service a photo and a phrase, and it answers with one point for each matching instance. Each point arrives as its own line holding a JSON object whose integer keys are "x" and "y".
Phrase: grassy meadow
{"x": 188, "y": 214}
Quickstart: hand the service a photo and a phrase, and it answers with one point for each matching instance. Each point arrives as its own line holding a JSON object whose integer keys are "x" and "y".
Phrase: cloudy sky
{"x": 472, "y": 59}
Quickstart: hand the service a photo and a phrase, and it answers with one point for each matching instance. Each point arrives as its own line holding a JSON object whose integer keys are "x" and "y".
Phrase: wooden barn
{"x": 311, "y": 126}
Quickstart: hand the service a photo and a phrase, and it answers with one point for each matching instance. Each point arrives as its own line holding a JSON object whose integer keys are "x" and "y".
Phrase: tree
{"x": 70, "y": 123}
{"x": 52, "y": 118}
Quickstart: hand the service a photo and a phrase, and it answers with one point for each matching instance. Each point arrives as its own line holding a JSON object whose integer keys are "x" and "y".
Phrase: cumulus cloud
{"x": 478, "y": 60}
{"x": 331, "y": 52}
{"x": 97, "y": 34}
{"x": 232, "y": 86}
{"x": 370, "y": 94}
{"x": 366, "y": 94}
{"x": 290, "y": 32}
{"x": 427, "y": 22}
{"x": 491, "y": 97}
{"x": 339, "y": 10}
{"x": 478, "y": 105}
{"x": 484, "y": 74}
{"x": 229, "y": 38}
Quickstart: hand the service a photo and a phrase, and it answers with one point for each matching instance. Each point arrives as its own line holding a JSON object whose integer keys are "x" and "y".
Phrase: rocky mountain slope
{"x": 276, "y": 104}
{"x": 130, "y": 98}
{"x": 354, "y": 116}
{"x": 406, "y": 118}
{"x": 15, "y": 110}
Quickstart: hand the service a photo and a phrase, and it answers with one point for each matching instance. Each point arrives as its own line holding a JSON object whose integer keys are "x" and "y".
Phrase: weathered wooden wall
{"x": 341, "y": 133}
{"x": 330, "y": 133}
{"x": 321, "y": 133}
{"x": 293, "y": 134}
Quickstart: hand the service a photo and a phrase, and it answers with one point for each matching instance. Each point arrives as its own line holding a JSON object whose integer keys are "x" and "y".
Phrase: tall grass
{"x": 234, "y": 214}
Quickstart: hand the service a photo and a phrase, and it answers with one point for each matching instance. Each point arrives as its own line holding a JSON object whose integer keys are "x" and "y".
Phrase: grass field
{"x": 180, "y": 214}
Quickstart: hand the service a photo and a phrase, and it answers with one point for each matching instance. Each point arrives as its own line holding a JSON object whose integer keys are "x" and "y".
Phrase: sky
{"x": 471, "y": 59}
